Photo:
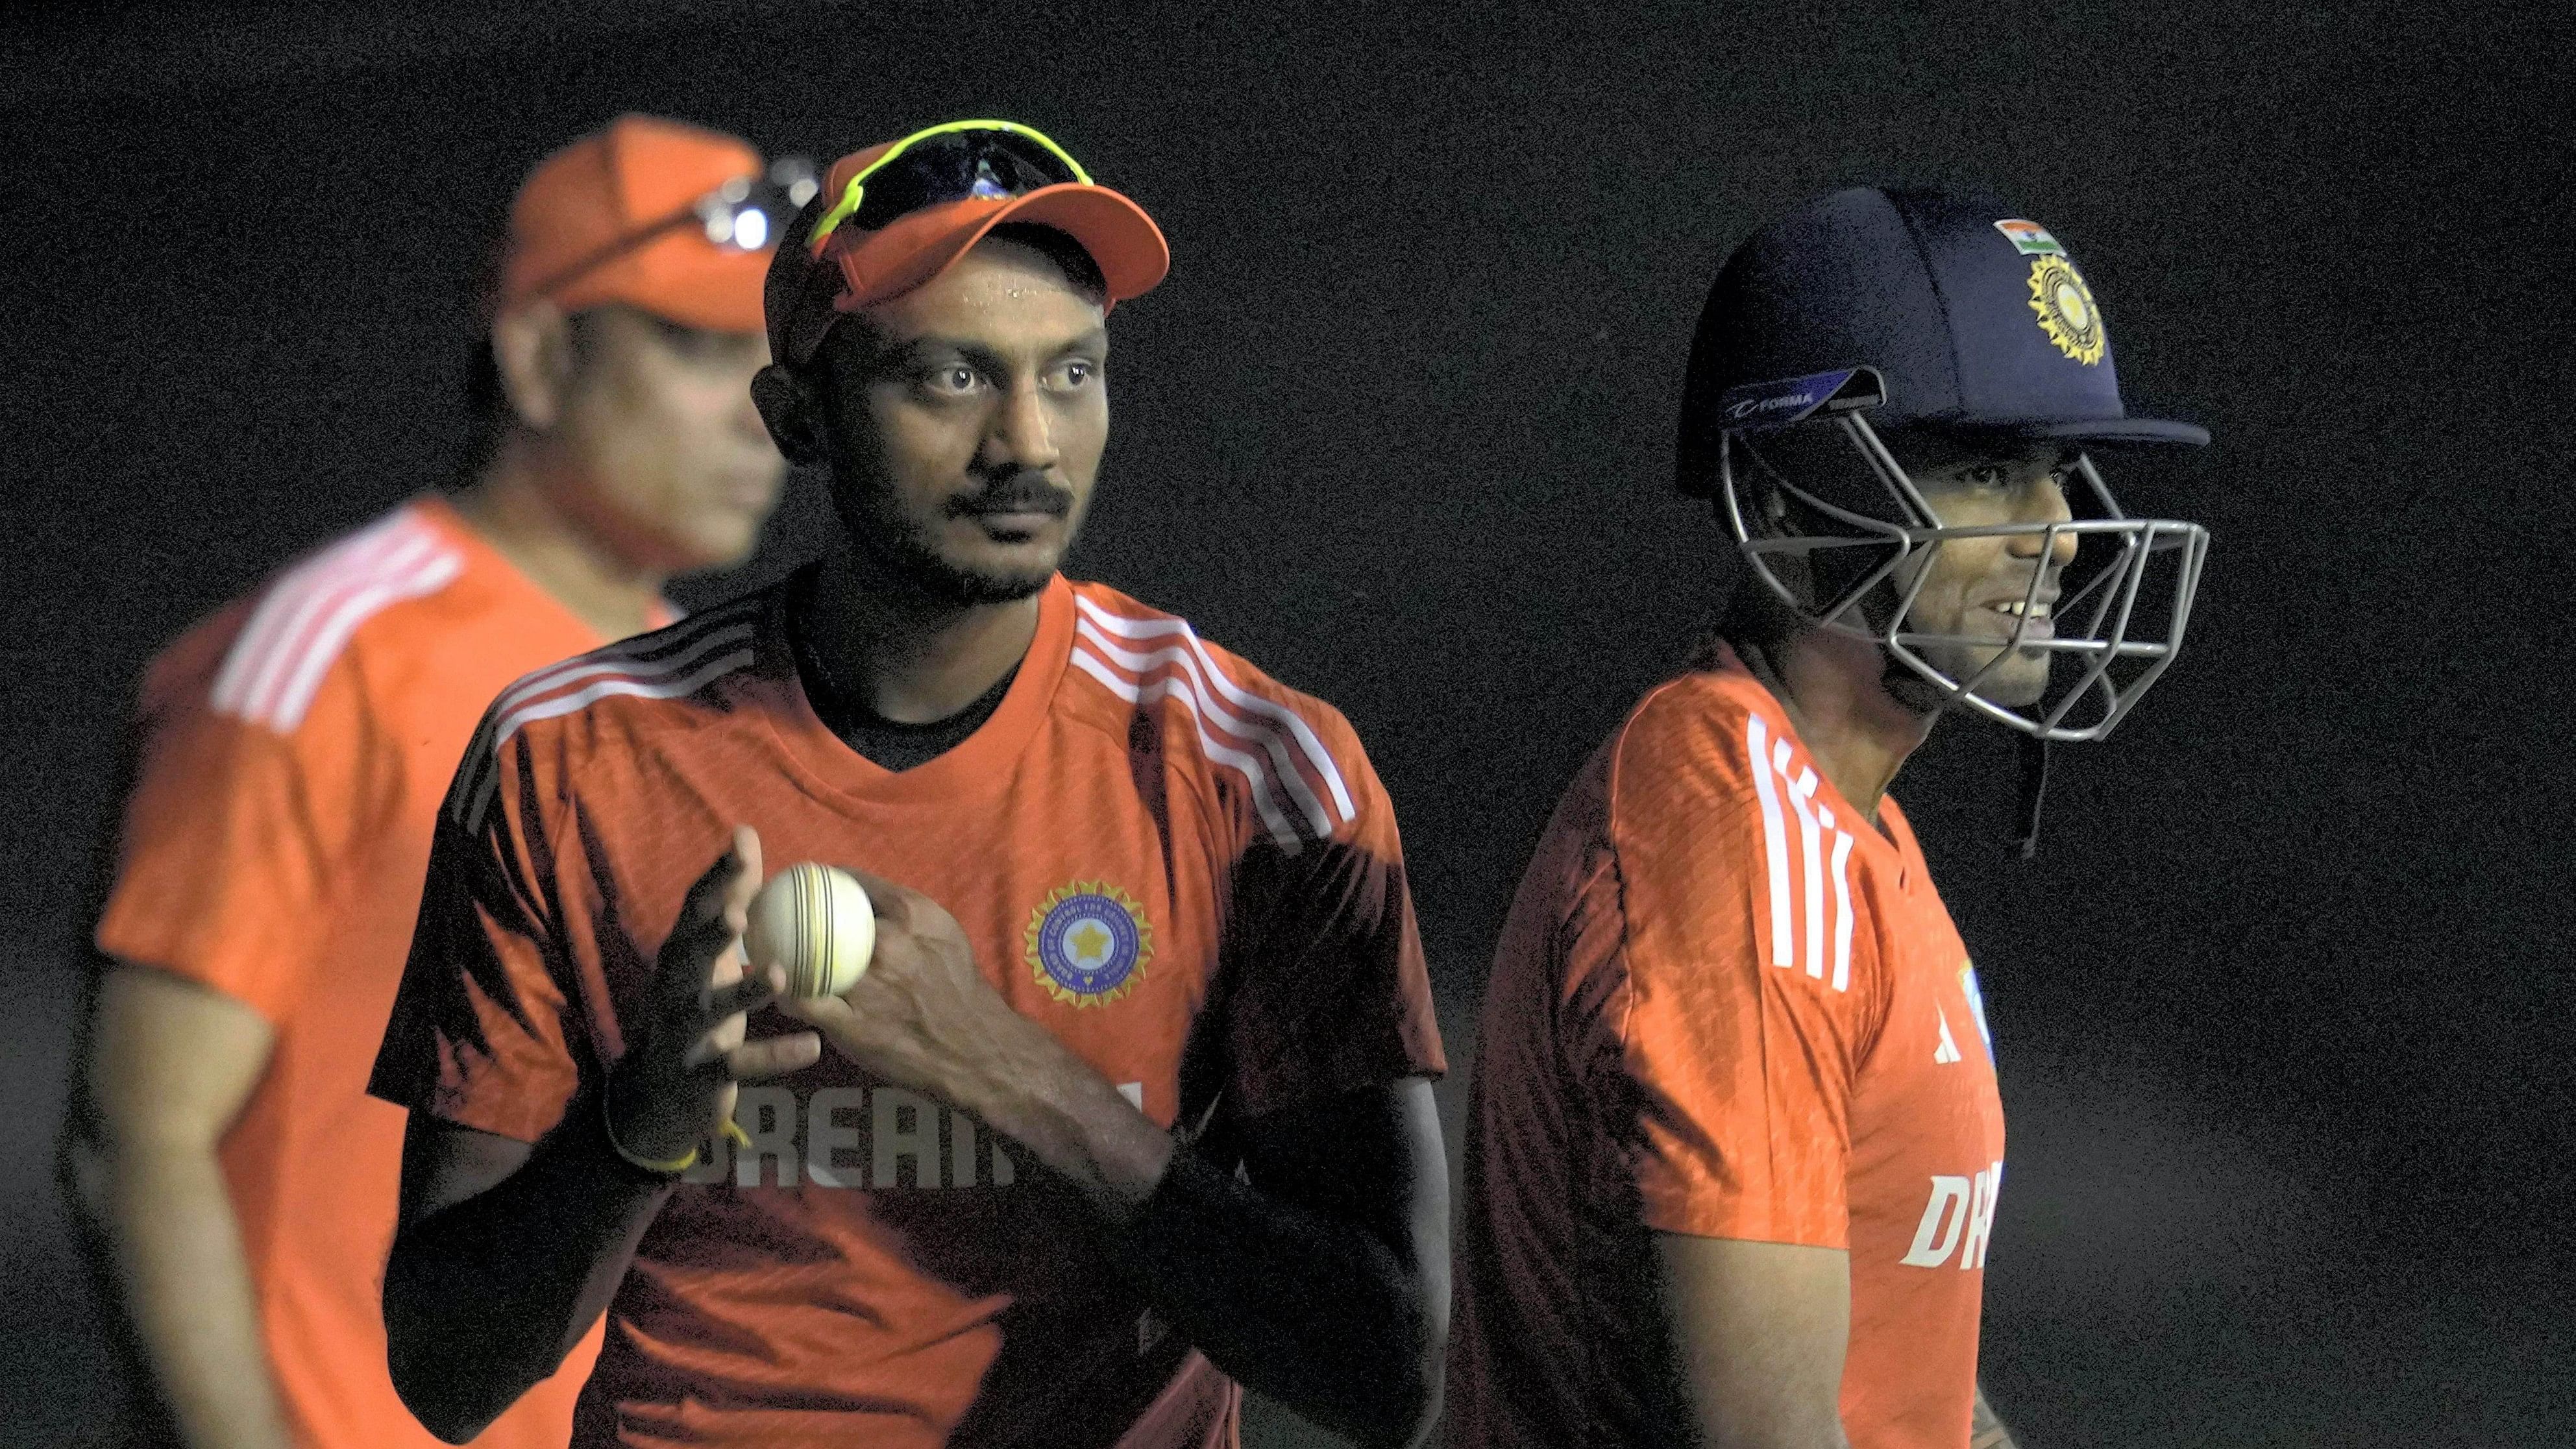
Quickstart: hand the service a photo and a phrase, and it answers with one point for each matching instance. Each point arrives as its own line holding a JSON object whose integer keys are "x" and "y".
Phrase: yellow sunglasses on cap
{"x": 957, "y": 161}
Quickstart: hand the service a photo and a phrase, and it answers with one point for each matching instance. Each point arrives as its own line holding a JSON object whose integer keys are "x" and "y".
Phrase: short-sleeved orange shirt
{"x": 1728, "y": 1005}
{"x": 295, "y": 748}
{"x": 1187, "y": 872}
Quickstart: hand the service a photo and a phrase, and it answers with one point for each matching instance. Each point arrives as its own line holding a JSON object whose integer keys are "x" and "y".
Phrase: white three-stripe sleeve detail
{"x": 250, "y": 648}
{"x": 682, "y": 633}
{"x": 1215, "y": 679}
{"x": 1241, "y": 698}
{"x": 563, "y": 704}
{"x": 1178, "y": 691}
{"x": 295, "y": 637}
{"x": 269, "y": 630}
{"x": 624, "y": 658}
{"x": 1775, "y": 847}
{"x": 1842, "y": 910}
{"x": 612, "y": 661}
{"x": 1205, "y": 707}
{"x": 296, "y": 695}
{"x": 1811, "y": 942}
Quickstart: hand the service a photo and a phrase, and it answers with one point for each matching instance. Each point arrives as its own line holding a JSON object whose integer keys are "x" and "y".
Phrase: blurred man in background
{"x": 222, "y": 1151}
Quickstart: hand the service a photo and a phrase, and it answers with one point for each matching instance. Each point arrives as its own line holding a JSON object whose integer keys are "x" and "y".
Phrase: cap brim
{"x": 1129, "y": 248}
{"x": 1121, "y": 239}
{"x": 2121, "y": 430}
{"x": 682, "y": 279}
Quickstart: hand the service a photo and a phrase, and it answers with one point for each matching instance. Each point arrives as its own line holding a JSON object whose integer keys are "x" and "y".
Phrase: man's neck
{"x": 902, "y": 655}
{"x": 1835, "y": 692}
{"x": 516, "y": 511}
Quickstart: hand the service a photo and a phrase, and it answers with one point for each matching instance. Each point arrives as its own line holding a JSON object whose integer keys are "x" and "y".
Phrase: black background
{"x": 2282, "y": 1007}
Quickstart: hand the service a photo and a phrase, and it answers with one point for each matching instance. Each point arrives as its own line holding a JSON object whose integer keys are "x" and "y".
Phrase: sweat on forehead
{"x": 1000, "y": 300}
{"x": 1041, "y": 254}
{"x": 1036, "y": 258}
{"x": 1055, "y": 249}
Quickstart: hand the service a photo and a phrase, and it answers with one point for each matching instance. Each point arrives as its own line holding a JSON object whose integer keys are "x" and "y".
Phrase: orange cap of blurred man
{"x": 646, "y": 212}
{"x": 894, "y": 216}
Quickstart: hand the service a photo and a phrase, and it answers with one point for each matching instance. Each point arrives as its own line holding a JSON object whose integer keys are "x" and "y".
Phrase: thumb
{"x": 711, "y": 920}
{"x": 745, "y": 855}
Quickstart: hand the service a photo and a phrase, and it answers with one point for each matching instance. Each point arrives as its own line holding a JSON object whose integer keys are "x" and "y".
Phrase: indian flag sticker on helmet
{"x": 2030, "y": 238}
{"x": 2066, "y": 310}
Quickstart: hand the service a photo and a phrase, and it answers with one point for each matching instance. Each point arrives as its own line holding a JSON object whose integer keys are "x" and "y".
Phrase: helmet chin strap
{"x": 2034, "y": 790}
{"x": 1906, "y": 685}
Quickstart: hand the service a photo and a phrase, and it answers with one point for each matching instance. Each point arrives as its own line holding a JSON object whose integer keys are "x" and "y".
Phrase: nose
{"x": 745, "y": 421}
{"x": 2045, "y": 502}
{"x": 1021, "y": 436}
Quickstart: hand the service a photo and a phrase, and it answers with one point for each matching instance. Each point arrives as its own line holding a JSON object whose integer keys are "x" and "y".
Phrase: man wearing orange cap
{"x": 1131, "y": 1097}
{"x": 237, "y": 1179}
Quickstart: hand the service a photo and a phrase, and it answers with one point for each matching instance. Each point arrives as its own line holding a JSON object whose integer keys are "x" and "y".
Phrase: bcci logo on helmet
{"x": 2066, "y": 310}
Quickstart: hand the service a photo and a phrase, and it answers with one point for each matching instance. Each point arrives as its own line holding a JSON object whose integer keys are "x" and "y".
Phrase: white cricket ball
{"x": 813, "y": 921}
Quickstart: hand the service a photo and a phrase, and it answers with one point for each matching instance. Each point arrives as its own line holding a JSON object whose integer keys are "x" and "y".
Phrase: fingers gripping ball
{"x": 814, "y": 923}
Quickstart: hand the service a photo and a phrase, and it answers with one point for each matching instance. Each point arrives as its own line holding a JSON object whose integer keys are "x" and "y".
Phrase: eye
{"x": 1988, "y": 478}
{"x": 1072, "y": 373}
{"x": 950, "y": 379}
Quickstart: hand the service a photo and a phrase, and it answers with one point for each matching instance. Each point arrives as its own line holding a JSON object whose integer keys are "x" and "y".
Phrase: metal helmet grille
{"x": 2117, "y": 624}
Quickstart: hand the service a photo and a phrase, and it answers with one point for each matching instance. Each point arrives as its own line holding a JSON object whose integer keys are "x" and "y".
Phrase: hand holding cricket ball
{"x": 816, "y": 925}
{"x": 805, "y": 942}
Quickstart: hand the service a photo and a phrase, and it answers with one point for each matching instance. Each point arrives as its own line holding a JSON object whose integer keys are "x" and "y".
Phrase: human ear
{"x": 788, "y": 406}
{"x": 532, "y": 349}
{"x": 1775, "y": 512}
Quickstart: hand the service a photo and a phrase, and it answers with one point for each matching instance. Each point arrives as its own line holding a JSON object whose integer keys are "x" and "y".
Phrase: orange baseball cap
{"x": 613, "y": 218}
{"x": 812, "y": 285}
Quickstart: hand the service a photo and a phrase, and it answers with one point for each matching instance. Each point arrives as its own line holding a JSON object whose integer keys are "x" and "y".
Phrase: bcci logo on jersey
{"x": 1088, "y": 943}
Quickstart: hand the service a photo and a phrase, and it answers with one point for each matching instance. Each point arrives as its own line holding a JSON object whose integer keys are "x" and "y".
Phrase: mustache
{"x": 1019, "y": 493}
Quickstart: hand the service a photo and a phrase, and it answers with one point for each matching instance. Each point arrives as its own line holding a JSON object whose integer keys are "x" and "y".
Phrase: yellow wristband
{"x": 733, "y": 1133}
{"x": 674, "y": 1166}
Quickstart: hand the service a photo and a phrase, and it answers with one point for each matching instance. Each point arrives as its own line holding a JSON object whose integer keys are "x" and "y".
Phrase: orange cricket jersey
{"x": 295, "y": 748}
{"x": 1725, "y": 1004}
{"x": 1187, "y": 872}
